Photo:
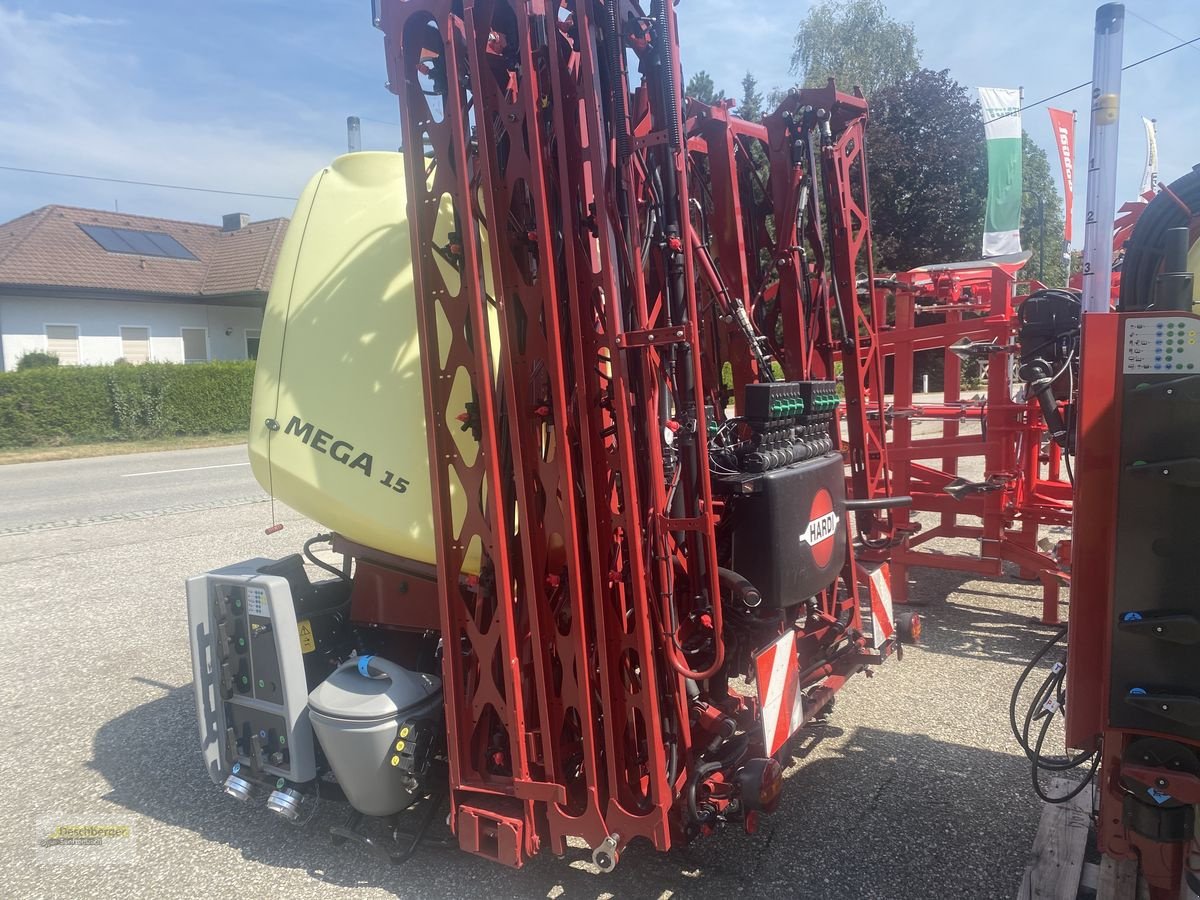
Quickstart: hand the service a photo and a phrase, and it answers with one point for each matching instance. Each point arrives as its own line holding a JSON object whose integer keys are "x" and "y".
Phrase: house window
{"x": 135, "y": 344}
{"x": 195, "y": 344}
{"x": 252, "y": 344}
{"x": 63, "y": 342}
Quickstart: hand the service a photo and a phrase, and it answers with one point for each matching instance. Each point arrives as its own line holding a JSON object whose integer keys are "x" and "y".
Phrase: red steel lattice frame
{"x": 575, "y": 520}
{"x": 1020, "y": 466}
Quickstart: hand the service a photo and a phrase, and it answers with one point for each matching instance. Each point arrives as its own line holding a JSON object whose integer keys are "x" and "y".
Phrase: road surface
{"x": 107, "y": 488}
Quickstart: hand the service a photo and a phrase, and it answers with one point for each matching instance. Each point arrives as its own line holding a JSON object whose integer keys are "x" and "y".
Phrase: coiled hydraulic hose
{"x": 1147, "y": 245}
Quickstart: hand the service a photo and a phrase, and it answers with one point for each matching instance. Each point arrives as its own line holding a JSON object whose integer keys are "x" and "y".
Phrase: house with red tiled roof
{"x": 93, "y": 287}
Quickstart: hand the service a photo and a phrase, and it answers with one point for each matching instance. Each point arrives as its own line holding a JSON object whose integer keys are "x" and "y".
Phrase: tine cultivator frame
{"x": 1022, "y": 486}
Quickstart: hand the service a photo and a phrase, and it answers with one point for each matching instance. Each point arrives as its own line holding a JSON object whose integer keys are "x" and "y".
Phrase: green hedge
{"x": 79, "y": 404}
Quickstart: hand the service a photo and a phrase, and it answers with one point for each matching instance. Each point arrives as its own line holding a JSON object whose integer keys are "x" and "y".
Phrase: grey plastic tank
{"x": 355, "y": 714}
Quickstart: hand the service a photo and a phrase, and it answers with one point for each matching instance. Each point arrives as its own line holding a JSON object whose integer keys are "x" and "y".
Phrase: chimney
{"x": 234, "y": 221}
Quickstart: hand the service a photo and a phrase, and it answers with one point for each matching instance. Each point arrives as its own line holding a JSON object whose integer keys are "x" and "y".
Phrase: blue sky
{"x": 252, "y": 95}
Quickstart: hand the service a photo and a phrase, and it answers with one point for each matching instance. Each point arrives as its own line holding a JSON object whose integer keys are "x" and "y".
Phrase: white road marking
{"x": 189, "y": 469}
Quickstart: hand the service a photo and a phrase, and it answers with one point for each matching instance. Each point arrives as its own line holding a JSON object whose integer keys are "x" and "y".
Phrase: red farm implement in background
{"x": 964, "y": 312}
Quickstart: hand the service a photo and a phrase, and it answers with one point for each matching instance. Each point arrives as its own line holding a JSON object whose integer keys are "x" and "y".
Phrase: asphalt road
{"x": 913, "y": 789}
{"x": 70, "y": 492}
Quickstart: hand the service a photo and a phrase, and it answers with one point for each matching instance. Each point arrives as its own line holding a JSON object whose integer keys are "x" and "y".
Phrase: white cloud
{"x": 60, "y": 18}
{"x": 69, "y": 103}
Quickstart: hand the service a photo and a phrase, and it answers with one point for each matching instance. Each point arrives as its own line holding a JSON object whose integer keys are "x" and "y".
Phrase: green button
{"x": 261, "y": 683}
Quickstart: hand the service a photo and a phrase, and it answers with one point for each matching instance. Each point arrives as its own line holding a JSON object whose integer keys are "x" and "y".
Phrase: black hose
{"x": 739, "y": 587}
{"x": 1146, "y": 247}
{"x": 701, "y": 770}
{"x": 311, "y": 557}
{"x": 1037, "y": 787}
{"x": 1012, "y": 703}
{"x": 1051, "y": 689}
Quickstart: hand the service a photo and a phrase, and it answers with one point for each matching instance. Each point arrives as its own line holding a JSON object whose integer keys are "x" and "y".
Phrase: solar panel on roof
{"x": 138, "y": 243}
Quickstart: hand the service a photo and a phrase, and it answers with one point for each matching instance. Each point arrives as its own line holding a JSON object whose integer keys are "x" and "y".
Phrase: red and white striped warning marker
{"x": 879, "y": 586}
{"x": 779, "y": 695}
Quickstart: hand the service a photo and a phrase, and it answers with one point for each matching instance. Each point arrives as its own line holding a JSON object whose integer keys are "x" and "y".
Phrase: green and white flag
{"x": 1002, "y": 126}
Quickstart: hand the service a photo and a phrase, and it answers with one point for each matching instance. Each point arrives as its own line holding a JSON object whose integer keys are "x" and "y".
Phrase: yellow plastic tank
{"x": 337, "y": 428}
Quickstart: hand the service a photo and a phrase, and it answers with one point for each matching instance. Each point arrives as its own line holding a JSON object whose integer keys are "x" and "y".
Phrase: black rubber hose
{"x": 701, "y": 770}
{"x": 1147, "y": 245}
{"x": 1037, "y": 766}
{"x": 739, "y": 587}
{"x": 328, "y": 567}
{"x": 1012, "y": 703}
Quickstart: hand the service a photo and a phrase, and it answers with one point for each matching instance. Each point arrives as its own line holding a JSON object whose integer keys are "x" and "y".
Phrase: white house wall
{"x": 23, "y": 322}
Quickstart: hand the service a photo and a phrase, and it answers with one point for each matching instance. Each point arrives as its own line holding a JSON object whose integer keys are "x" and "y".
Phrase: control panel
{"x": 1155, "y": 683}
{"x": 249, "y": 675}
{"x": 1161, "y": 344}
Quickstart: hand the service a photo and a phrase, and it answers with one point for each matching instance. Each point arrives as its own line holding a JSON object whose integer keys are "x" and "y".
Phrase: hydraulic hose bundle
{"x": 1049, "y": 700}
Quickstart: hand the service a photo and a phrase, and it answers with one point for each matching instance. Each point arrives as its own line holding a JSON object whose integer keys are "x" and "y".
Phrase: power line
{"x": 379, "y": 121}
{"x": 153, "y": 184}
{"x": 1157, "y": 27}
{"x": 1132, "y": 65}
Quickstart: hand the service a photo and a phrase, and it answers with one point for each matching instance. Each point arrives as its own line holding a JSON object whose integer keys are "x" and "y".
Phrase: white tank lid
{"x": 369, "y": 688}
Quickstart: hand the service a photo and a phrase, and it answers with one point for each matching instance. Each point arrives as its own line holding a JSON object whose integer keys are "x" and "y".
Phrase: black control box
{"x": 789, "y": 538}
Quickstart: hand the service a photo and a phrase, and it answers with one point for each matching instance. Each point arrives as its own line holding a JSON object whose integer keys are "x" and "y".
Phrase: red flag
{"x": 1063, "y": 123}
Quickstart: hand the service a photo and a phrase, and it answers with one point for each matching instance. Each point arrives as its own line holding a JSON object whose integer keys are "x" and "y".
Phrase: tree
{"x": 701, "y": 87}
{"x": 854, "y": 42}
{"x": 751, "y": 107}
{"x": 1037, "y": 182}
{"x": 928, "y": 172}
